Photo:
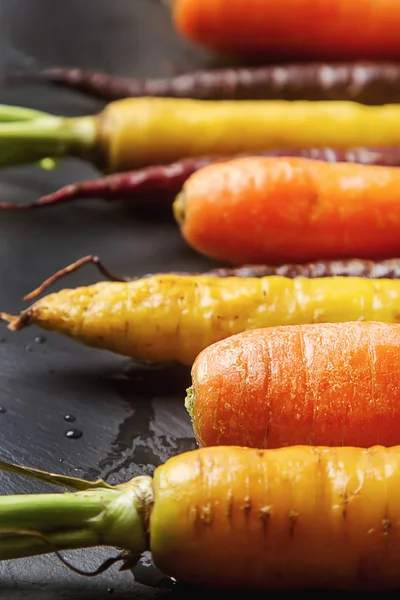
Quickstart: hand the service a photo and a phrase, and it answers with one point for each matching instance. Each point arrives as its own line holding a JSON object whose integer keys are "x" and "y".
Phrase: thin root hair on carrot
{"x": 74, "y": 267}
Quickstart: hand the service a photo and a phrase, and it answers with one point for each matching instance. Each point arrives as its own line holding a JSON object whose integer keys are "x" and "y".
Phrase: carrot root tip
{"x": 15, "y": 323}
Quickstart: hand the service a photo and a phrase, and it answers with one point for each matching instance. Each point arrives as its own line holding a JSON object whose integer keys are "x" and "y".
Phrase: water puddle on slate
{"x": 141, "y": 445}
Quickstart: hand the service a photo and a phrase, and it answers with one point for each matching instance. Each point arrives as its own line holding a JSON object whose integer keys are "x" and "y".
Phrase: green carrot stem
{"x": 42, "y": 523}
{"x": 31, "y": 140}
{"x": 19, "y": 113}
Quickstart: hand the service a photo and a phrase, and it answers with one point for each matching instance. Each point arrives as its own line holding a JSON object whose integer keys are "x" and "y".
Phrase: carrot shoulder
{"x": 259, "y": 210}
{"x": 329, "y": 29}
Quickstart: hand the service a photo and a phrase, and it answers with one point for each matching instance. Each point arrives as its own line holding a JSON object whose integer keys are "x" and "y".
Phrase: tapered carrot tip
{"x": 17, "y": 322}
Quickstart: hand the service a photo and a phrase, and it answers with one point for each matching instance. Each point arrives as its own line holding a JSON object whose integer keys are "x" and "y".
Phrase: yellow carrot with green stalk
{"x": 232, "y": 517}
{"x": 135, "y": 132}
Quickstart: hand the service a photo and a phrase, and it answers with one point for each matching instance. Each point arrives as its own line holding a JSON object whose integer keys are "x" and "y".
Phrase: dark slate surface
{"x": 131, "y": 418}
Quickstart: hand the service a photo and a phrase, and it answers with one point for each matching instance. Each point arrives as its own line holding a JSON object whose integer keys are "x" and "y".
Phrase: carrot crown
{"x": 28, "y": 136}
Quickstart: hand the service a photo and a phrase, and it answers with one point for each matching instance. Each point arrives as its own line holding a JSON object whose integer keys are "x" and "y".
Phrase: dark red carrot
{"x": 366, "y": 82}
{"x": 163, "y": 182}
{"x": 385, "y": 269}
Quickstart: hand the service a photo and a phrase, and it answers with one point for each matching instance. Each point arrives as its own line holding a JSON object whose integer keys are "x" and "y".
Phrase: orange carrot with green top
{"x": 329, "y": 384}
{"x": 262, "y": 210}
{"x": 298, "y": 29}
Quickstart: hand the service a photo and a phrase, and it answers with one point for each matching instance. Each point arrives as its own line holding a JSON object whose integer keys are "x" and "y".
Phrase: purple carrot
{"x": 165, "y": 181}
{"x": 366, "y": 82}
{"x": 385, "y": 269}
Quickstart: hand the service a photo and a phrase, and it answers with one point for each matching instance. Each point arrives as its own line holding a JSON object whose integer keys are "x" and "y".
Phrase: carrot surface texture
{"x": 167, "y": 318}
{"x": 232, "y": 517}
{"x": 138, "y": 132}
{"x": 298, "y": 29}
{"x": 328, "y": 384}
{"x": 367, "y": 82}
{"x": 259, "y": 210}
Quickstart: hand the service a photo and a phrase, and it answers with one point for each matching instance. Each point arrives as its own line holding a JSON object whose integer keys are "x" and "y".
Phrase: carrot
{"x": 260, "y": 210}
{"x": 293, "y": 29}
{"x": 138, "y": 132}
{"x": 171, "y": 318}
{"x": 328, "y": 384}
{"x": 231, "y": 517}
{"x": 366, "y": 82}
{"x": 160, "y": 184}
{"x": 384, "y": 269}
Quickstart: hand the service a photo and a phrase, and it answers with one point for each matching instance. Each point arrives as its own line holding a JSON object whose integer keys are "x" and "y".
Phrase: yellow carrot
{"x": 172, "y": 317}
{"x": 135, "y": 132}
{"x": 231, "y": 517}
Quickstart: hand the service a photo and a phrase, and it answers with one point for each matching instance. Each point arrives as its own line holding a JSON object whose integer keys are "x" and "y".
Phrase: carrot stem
{"x": 107, "y": 516}
{"x": 29, "y": 136}
{"x": 18, "y": 113}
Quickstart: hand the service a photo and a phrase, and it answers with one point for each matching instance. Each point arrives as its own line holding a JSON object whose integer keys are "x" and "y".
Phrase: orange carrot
{"x": 263, "y": 210}
{"x": 299, "y": 29}
{"x": 324, "y": 384}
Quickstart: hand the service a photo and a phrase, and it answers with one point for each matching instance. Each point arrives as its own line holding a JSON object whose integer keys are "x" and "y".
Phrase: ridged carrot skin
{"x": 299, "y": 29}
{"x": 172, "y": 318}
{"x": 296, "y": 517}
{"x": 325, "y": 384}
{"x": 136, "y": 132}
{"x": 260, "y": 210}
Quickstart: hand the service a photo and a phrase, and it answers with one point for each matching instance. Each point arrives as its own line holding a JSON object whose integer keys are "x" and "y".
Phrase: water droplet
{"x": 28, "y": 348}
{"x": 110, "y": 590}
{"x": 69, "y": 418}
{"x": 2, "y": 410}
{"x": 61, "y": 460}
{"x": 51, "y": 372}
{"x": 39, "y": 339}
{"x": 2, "y": 340}
{"x": 73, "y": 434}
